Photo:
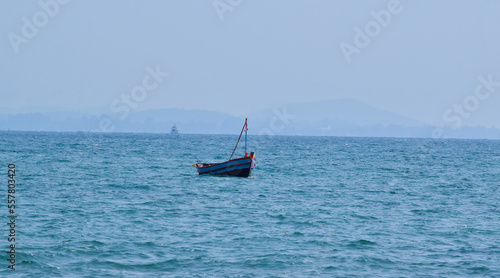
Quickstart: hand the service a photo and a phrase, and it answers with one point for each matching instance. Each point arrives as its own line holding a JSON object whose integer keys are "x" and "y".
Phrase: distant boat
{"x": 174, "y": 130}
{"x": 238, "y": 167}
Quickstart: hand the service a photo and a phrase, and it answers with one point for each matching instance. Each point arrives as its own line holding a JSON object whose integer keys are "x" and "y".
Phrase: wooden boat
{"x": 238, "y": 167}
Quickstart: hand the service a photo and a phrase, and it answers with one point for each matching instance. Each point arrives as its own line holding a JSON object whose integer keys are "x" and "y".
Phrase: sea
{"x": 132, "y": 205}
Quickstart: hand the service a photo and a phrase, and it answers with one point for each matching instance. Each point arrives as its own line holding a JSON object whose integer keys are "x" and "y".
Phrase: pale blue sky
{"x": 262, "y": 54}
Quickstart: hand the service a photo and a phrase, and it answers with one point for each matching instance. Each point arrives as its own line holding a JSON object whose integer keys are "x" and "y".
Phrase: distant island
{"x": 342, "y": 117}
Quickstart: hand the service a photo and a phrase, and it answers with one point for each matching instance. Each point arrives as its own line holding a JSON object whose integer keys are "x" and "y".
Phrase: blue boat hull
{"x": 240, "y": 167}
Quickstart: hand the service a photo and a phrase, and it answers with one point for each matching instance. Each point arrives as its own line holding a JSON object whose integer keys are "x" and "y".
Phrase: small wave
{"x": 425, "y": 211}
{"x": 478, "y": 270}
{"x": 362, "y": 243}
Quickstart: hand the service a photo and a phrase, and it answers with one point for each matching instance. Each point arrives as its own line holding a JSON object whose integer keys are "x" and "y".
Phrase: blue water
{"x": 131, "y": 205}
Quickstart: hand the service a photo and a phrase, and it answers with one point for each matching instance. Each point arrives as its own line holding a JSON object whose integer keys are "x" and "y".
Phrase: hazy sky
{"x": 420, "y": 59}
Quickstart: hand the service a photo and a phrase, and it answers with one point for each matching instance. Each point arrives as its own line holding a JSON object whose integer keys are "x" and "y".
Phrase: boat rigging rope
{"x": 239, "y": 138}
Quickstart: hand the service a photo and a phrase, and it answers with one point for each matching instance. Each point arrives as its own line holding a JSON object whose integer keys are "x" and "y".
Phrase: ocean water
{"x": 131, "y": 205}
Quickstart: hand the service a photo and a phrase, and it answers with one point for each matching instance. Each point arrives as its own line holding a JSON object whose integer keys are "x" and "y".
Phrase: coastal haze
{"x": 357, "y": 114}
{"x": 371, "y": 68}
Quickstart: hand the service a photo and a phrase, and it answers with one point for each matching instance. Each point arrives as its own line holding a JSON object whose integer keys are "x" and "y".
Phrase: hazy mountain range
{"x": 327, "y": 118}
